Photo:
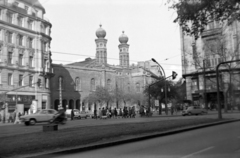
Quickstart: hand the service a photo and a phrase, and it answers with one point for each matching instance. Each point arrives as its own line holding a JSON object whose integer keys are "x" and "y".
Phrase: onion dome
{"x": 100, "y": 33}
{"x": 123, "y": 39}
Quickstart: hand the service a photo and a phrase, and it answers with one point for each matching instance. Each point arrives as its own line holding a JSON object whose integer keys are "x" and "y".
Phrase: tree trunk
{"x": 160, "y": 107}
{"x": 225, "y": 101}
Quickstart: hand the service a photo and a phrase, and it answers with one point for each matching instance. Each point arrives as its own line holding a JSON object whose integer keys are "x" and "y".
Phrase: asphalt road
{"x": 222, "y": 141}
{"x": 15, "y": 129}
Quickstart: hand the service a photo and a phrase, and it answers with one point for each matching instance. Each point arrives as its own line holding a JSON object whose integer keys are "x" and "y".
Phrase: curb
{"x": 124, "y": 141}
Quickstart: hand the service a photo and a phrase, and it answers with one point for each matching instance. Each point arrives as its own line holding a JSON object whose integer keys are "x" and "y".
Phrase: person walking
{"x": 72, "y": 114}
{"x": 115, "y": 113}
{"x": 121, "y": 113}
{"x": 99, "y": 113}
{"x": 17, "y": 120}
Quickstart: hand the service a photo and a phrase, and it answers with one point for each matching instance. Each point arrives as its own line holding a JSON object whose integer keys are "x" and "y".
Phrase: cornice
{"x": 23, "y": 29}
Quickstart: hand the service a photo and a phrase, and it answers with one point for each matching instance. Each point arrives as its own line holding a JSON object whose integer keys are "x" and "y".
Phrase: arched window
{"x": 109, "y": 85}
{"x": 77, "y": 84}
{"x": 138, "y": 87}
{"x": 93, "y": 87}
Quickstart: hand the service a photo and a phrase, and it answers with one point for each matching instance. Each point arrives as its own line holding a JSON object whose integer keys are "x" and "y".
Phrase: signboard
{"x": 26, "y": 100}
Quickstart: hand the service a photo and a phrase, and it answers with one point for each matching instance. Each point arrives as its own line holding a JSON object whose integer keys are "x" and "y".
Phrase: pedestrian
{"x": 99, "y": 113}
{"x": 11, "y": 118}
{"x": 115, "y": 113}
{"x": 120, "y": 112}
{"x": 17, "y": 120}
{"x": 172, "y": 110}
{"x": 72, "y": 114}
{"x": 104, "y": 113}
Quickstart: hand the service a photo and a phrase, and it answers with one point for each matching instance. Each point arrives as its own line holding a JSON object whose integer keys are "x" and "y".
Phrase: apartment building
{"x": 25, "y": 55}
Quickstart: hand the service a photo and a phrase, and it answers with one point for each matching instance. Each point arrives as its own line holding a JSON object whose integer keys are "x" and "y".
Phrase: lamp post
{"x": 165, "y": 84}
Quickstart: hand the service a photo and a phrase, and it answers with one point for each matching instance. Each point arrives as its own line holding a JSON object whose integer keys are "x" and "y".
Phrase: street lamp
{"x": 165, "y": 84}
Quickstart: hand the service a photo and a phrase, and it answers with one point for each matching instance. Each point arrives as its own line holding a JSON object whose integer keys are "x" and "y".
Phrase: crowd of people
{"x": 13, "y": 117}
{"x": 125, "y": 112}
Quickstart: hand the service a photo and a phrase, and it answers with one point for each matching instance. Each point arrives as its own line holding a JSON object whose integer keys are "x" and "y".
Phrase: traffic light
{"x": 39, "y": 82}
{"x": 174, "y": 75}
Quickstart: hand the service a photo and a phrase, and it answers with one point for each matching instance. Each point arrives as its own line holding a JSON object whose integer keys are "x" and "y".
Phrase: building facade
{"x": 25, "y": 55}
{"x": 73, "y": 82}
{"x": 218, "y": 43}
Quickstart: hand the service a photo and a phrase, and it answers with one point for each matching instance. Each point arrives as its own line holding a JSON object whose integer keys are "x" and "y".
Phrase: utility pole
{"x": 60, "y": 91}
{"x": 204, "y": 80}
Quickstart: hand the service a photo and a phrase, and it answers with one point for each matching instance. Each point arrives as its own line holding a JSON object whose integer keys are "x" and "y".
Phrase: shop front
{"x": 24, "y": 101}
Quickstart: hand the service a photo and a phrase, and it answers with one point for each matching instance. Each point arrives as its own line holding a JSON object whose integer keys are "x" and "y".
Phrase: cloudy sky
{"x": 147, "y": 23}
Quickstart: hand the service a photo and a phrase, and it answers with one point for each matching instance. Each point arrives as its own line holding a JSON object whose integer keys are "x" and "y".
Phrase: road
{"x": 15, "y": 129}
{"x": 222, "y": 141}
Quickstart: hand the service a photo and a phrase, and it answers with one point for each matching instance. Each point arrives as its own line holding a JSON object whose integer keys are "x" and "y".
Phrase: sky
{"x": 147, "y": 23}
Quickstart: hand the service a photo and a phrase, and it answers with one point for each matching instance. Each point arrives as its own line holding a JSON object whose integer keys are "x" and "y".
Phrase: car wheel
{"x": 26, "y": 123}
{"x": 80, "y": 117}
{"x": 32, "y": 122}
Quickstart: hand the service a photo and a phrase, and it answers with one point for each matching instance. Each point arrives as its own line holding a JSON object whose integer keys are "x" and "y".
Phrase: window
{"x": 31, "y": 81}
{"x": 26, "y": 8}
{"x": 10, "y": 79}
{"x": 1, "y": 14}
{"x": 78, "y": 84}
{"x": 30, "y": 24}
{"x": 109, "y": 84}
{"x": 10, "y": 17}
{"x": 1, "y": 37}
{"x": 0, "y": 77}
{"x": 20, "y": 82}
{"x": 31, "y": 61}
{"x": 43, "y": 28}
{"x": 93, "y": 84}
{"x": 0, "y": 53}
{"x": 20, "y": 21}
{"x": 9, "y": 36}
{"x": 44, "y": 45}
{"x": 10, "y": 57}
{"x": 20, "y": 40}
{"x": 138, "y": 87}
{"x": 16, "y": 3}
{"x": 20, "y": 59}
{"x": 46, "y": 83}
{"x": 29, "y": 43}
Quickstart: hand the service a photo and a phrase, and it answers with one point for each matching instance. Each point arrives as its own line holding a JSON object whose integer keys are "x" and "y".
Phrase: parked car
{"x": 194, "y": 110}
{"x": 43, "y": 115}
{"x": 83, "y": 114}
{"x": 78, "y": 114}
{"x": 69, "y": 111}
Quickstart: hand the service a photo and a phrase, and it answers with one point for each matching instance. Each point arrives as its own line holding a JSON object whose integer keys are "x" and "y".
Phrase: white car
{"x": 43, "y": 115}
{"x": 82, "y": 114}
{"x": 194, "y": 110}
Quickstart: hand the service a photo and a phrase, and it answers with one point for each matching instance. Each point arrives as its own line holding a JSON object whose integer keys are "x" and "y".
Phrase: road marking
{"x": 201, "y": 151}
